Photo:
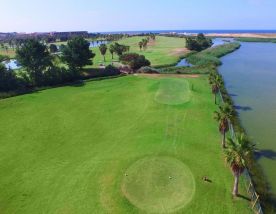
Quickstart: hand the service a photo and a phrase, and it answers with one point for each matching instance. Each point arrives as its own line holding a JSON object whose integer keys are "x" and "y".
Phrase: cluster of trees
{"x": 113, "y": 37}
{"x": 8, "y": 79}
{"x": 144, "y": 43}
{"x": 239, "y": 150}
{"x": 53, "y": 48}
{"x": 198, "y": 43}
{"x": 134, "y": 60}
{"x": 39, "y": 66}
{"x": 113, "y": 48}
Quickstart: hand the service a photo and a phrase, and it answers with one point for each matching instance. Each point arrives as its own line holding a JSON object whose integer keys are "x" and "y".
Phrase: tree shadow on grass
{"x": 79, "y": 83}
{"x": 269, "y": 154}
{"x": 244, "y": 197}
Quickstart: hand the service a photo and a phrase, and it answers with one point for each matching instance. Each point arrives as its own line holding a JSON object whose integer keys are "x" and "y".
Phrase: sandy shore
{"x": 246, "y": 35}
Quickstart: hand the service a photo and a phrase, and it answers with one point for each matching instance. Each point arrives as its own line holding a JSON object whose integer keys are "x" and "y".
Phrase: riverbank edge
{"x": 250, "y": 39}
{"x": 255, "y": 170}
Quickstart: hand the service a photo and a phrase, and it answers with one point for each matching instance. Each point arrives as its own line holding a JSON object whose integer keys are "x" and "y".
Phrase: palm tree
{"x": 103, "y": 49}
{"x": 235, "y": 155}
{"x": 223, "y": 116}
{"x": 112, "y": 50}
{"x": 145, "y": 43}
{"x": 216, "y": 85}
{"x": 140, "y": 45}
{"x": 212, "y": 76}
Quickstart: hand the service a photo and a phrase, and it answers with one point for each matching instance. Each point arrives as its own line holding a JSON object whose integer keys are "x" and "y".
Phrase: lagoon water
{"x": 250, "y": 76}
{"x": 221, "y": 41}
{"x": 183, "y": 62}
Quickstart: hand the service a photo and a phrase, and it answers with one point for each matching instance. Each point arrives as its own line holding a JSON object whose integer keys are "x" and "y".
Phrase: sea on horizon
{"x": 193, "y": 31}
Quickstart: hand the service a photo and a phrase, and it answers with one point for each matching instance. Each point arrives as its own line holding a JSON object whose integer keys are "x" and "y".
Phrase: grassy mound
{"x": 173, "y": 91}
{"x": 273, "y": 40}
{"x": 159, "y": 184}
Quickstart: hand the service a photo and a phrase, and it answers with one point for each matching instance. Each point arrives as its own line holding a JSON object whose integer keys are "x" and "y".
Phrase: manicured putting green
{"x": 158, "y": 184}
{"x": 173, "y": 91}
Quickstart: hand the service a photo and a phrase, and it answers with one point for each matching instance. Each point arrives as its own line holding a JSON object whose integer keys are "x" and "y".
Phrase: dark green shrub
{"x": 134, "y": 60}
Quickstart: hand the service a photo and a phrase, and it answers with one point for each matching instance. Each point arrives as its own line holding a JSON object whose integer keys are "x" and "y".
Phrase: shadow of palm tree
{"x": 233, "y": 95}
{"x": 244, "y": 197}
{"x": 270, "y": 154}
{"x": 243, "y": 108}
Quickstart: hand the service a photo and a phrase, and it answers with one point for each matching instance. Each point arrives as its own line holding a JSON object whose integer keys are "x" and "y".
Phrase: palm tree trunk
{"x": 104, "y": 58}
{"x": 223, "y": 140}
{"x": 215, "y": 98}
{"x": 236, "y": 185}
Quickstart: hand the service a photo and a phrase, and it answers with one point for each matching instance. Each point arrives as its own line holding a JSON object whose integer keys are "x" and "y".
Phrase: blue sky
{"x": 118, "y": 15}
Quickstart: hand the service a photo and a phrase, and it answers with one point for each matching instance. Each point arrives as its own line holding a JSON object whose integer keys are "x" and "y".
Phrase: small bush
{"x": 205, "y": 69}
{"x": 134, "y": 60}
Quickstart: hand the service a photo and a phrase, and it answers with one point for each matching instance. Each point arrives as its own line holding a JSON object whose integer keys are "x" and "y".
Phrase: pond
{"x": 250, "y": 76}
{"x": 94, "y": 44}
{"x": 184, "y": 62}
{"x": 11, "y": 64}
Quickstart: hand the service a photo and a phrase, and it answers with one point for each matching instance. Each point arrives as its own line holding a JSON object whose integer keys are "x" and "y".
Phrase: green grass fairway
{"x": 159, "y": 184}
{"x": 67, "y": 150}
{"x": 173, "y": 91}
{"x": 165, "y": 50}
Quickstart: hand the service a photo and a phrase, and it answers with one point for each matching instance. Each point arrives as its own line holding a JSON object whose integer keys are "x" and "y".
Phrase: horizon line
{"x": 122, "y": 31}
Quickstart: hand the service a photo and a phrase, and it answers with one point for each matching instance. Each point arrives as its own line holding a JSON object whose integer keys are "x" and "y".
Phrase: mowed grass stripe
{"x": 66, "y": 150}
{"x": 173, "y": 91}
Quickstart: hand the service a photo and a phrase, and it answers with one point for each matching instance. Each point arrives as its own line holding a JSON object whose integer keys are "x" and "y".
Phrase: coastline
{"x": 243, "y": 35}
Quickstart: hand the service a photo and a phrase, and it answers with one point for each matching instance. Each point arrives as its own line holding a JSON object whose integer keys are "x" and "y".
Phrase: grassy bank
{"x": 212, "y": 55}
{"x": 272, "y": 40}
{"x": 260, "y": 183}
{"x": 204, "y": 61}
